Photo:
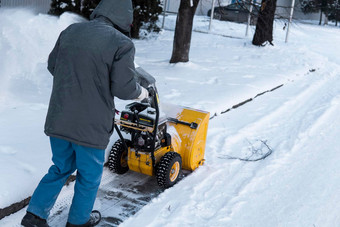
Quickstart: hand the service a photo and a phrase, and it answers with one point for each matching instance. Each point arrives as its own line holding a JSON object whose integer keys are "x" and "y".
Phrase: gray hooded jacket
{"x": 91, "y": 63}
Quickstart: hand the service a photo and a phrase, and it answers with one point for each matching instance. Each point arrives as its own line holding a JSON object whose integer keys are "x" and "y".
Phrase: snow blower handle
{"x": 151, "y": 91}
{"x": 153, "y": 100}
{"x": 153, "y": 97}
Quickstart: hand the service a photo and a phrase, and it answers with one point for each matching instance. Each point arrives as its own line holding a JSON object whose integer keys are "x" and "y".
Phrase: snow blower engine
{"x": 161, "y": 143}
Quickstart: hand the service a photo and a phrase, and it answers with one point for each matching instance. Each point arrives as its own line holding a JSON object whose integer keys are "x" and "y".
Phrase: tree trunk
{"x": 182, "y": 38}
{"x": 264, "y": 26}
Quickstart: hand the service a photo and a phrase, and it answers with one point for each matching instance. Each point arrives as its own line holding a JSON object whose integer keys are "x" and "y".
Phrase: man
{"x": 91, "y": 63}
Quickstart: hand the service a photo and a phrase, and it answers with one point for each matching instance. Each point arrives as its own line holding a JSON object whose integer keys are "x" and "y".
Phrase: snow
{"x": 297, "y": 185}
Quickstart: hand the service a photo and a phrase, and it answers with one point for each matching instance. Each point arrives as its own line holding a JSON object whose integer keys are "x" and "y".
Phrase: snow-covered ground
{"x": 297, "y": 185}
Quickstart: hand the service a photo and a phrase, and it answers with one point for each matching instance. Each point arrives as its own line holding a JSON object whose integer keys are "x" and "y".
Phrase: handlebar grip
{"x": 151, "y": 91}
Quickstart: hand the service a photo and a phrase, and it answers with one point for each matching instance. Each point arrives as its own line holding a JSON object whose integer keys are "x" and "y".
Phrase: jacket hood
{"x": 119, "y": 12}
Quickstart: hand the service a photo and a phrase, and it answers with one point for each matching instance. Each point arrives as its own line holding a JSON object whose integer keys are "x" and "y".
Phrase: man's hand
{"x": 143, "y": 95}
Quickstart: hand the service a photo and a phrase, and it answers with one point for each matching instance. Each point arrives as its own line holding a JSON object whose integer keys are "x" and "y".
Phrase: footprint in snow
{"x": 213, "y": 80}
{"x": 7, "y": 150}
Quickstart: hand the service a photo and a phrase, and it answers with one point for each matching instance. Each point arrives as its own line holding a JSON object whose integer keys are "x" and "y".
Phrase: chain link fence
{"x": 282, "y": 8}
{"x": 282, "y": 15}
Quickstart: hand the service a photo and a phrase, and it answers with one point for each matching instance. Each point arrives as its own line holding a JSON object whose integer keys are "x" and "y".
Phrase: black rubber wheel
{"x": 217, "y": 16}
{"x": 169, "y": 169}
{"x": 118, "y": 158}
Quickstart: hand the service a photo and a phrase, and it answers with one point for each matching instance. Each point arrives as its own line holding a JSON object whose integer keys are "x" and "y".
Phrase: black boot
{"x": 32, "y": 220}
{"x": 95, "y": 218}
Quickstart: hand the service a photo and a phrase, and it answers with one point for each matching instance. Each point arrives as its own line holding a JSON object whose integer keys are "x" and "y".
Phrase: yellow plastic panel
{"x": 142, "y": 162}
{"x": 192, "y": 141}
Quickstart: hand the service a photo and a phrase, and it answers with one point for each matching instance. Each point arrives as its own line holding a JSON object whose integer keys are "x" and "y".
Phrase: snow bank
{"x": 25, "y": 42}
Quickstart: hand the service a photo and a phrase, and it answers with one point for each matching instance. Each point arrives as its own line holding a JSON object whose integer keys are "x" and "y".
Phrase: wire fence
{"x": 283, "y": 8}
{"x": 285, "y": 14}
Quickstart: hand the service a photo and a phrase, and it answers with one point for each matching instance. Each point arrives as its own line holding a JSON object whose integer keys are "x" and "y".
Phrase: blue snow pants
{"x": 68, "y": 157}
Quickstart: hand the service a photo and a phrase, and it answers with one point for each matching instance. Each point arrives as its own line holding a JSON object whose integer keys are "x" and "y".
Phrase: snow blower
{"x": 162, "y": 142}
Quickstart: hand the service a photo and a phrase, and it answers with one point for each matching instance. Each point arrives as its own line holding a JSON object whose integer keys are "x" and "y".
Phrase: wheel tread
{"x": 163, "y": 169}
{"x": 114, "y": 158}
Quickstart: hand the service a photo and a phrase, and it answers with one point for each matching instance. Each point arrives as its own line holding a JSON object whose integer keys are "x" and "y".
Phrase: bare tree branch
{"x": 257, "y": 153}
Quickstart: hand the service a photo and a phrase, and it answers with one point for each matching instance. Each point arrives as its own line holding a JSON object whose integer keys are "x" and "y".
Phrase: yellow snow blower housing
{"x": 163, "y": 140}
{"x": 188, "y": 142}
